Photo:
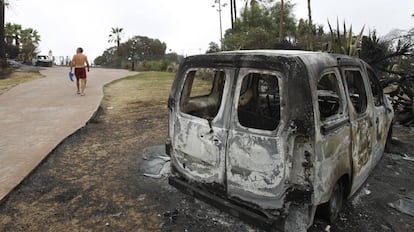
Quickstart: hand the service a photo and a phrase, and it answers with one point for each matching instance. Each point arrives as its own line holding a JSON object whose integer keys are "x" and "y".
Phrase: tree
{"x": 30, "y": 39}
{"x": 115, "y": 36}
{"x": 9, "y": 33}
{"x": 17, "y": 28}
{"x": 12, "y": 51}
{"x": 213, "y": 47}
{"x": 392, "y": 57}
{"x": 258, "y": 26}
{"x": 138, "y": 48}
{"x": 345, "y": 43}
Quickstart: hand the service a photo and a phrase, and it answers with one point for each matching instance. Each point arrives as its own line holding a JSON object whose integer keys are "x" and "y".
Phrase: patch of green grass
{"x": 146, "y": 86}
{"x": 150, "y": 81}
{"x": 17, "y": 78}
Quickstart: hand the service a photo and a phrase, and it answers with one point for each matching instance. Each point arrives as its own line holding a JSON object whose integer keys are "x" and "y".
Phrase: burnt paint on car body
{"x": 298, "y": 163}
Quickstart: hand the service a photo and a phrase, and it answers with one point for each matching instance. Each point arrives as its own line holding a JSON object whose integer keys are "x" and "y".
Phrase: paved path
{"x": 36, "y": 116}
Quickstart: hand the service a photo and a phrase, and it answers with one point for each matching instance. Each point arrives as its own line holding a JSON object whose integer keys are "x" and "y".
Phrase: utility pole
{"x": 218, "y": 2}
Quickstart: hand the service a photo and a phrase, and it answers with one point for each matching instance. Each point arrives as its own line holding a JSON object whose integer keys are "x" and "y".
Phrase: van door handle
{"x": 216, "y": 141}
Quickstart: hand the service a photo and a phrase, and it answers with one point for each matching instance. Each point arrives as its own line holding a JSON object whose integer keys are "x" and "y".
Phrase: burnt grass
{"x": 93, "y": 180}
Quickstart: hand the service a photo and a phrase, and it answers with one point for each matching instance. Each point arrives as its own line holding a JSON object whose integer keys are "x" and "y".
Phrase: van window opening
{"x": 259, "y": 102}
{"x": 375, "y": 88}
{"x": 356, "y": 90}
{"x": 202, "y": 93}
{"x": 329, "y": 96}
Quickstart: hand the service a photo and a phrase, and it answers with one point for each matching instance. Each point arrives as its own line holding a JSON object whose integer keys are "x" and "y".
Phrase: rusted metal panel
{"x": 292, "y": 167}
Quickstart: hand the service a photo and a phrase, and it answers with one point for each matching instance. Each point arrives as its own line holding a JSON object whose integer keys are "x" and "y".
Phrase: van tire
{"x": 330, "y": 210}
{"x": 388, "y": 144}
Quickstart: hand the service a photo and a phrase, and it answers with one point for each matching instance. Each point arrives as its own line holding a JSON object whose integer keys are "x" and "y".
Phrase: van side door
{"x": 362, "y": 118}
{"x": 380, "y": 116}
{"x": 335, "y": 133}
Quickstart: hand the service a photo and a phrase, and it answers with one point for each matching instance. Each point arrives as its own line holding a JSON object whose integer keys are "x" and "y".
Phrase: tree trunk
{"x": 232, "y": 14}
{"x": 234, "y": 11}
{"x": 310, "y": 32}
{"x": 281, "y": 22}
{"x": 2, "y": 35}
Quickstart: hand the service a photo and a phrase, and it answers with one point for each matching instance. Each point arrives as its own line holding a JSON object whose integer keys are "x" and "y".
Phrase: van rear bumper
{"x": 244, "y": 212}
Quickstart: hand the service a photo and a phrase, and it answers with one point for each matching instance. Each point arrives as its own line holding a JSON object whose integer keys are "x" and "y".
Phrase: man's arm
{"x": 72, "y": 63}
{"x": 87, "y": 63}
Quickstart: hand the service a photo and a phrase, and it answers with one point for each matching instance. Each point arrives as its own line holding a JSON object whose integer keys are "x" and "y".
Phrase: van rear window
{"x": 259, "y": 102}
{"x": 202, "y": 93}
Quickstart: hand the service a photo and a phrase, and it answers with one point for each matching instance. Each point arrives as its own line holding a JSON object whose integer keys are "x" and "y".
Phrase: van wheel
{"x": 331, "y": 209}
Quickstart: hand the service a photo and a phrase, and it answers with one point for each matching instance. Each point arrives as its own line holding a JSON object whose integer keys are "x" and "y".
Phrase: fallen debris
{"x": 405, "y": 204}
{"x": 156, "y": 163}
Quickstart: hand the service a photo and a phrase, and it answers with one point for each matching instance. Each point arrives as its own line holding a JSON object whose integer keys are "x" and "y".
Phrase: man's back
{"x": 79, "y": 60}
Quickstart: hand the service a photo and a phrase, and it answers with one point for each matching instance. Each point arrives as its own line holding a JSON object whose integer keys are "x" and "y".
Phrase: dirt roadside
{"x": 93, "y": 181}
{"x": 17, "y": 78}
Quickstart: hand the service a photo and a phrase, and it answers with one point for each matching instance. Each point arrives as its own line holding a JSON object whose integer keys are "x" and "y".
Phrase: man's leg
{"x": 83, "y": 86}
{"x": 77, "y": 84}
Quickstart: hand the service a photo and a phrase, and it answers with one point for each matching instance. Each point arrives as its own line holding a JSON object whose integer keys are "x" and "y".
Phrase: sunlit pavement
{"x": 36, "y": 116}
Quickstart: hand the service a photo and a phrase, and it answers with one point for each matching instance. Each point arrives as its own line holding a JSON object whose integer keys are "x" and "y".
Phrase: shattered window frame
{"x": 341, "y": 111}
{"x": 188, "y": 103}
{"x": 354, "y": 90}
{"x": 376, "y": 90}
{"x": 242, "y": 88}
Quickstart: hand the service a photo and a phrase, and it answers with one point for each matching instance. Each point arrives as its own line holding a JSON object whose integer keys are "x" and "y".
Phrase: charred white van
{"x": 271, "y": 135}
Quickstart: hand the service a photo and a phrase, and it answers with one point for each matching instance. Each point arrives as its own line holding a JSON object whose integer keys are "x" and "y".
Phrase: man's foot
{"x": 82, "y": 94}
{"x": 78, "y": 92}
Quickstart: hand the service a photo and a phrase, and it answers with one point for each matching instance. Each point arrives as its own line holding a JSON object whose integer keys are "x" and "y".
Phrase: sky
{"x": 186, "y": 26}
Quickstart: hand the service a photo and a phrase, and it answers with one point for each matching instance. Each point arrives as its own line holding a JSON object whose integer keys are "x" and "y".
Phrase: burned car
{"x": 272, "y": 135}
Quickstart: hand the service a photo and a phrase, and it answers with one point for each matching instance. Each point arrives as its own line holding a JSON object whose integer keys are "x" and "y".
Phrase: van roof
{"x": 310, "y": 58}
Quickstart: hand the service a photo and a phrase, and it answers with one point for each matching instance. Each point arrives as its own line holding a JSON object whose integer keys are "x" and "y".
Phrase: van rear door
{"x": 256, "y": 154}
{"x": 199, "y": 136}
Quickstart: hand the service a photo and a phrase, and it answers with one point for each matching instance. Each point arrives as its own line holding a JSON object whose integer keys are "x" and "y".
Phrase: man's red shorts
{"x": 80, "y": 73}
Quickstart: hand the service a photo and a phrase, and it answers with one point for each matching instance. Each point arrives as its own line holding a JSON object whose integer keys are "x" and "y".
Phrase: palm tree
{"x": 30, "y": 38}
{"x": 12, "y": 32}
{"x": 9, "y": 33}
{"x": 17, "y": 28}
{"x": 35, "y": 37}
{"x": 115, "y": 36}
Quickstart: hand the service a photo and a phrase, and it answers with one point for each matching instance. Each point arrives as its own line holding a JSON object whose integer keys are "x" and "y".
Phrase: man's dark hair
{"x": 80, "y": 49}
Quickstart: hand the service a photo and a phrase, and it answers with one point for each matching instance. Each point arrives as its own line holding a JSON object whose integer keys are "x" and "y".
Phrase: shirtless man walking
{"x": 78, "y": 61}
